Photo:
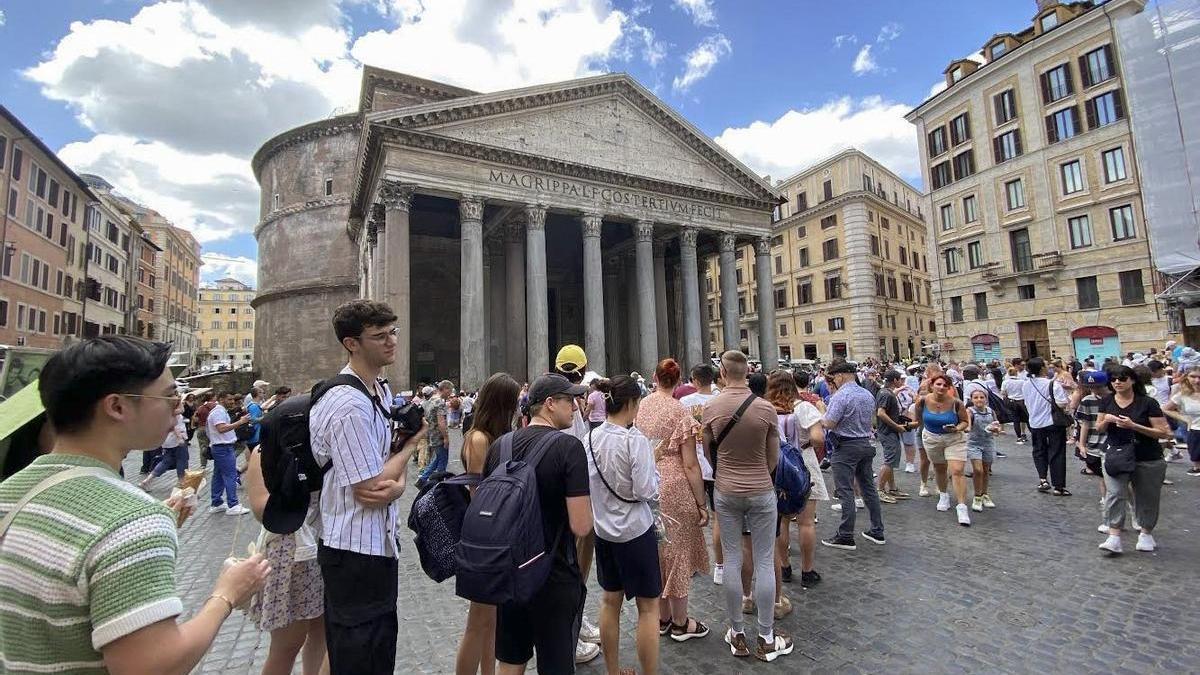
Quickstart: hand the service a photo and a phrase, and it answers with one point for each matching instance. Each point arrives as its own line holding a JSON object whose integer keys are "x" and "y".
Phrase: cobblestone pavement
{"x": 1022, "y": 590}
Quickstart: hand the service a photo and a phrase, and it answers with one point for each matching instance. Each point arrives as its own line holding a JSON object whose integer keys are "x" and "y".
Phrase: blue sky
{"x": 168, "y": 100}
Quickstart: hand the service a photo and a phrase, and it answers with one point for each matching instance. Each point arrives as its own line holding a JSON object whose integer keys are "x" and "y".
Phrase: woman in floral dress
{"x": 672, "y": 432}
{"x": 291, "y": 605}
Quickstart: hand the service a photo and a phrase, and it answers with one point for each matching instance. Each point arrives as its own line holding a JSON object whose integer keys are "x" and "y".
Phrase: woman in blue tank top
{"x": 943, "y": 418}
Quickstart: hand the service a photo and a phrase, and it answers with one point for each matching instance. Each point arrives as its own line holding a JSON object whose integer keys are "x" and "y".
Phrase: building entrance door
{"x": 1034, "y": 339}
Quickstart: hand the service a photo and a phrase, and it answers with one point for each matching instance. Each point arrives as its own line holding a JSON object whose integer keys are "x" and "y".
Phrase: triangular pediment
{"x": 609, "y": 122}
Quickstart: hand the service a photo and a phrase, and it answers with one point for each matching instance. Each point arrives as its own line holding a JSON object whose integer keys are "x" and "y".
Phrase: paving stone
{"x": 1024, "y": 589}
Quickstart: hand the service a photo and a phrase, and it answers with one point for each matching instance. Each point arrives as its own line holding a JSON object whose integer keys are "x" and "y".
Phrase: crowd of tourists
{"x": 625, "y": 474}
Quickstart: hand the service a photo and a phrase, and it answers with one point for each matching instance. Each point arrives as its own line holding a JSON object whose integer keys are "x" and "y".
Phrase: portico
{"x": 502, "y": 226}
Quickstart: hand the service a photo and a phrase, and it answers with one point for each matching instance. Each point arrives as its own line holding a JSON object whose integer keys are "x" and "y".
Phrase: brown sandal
{"x": 683, "y": 634}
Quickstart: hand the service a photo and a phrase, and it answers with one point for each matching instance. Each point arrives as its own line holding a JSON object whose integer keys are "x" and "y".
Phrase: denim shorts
{"x": 988, "y": 455}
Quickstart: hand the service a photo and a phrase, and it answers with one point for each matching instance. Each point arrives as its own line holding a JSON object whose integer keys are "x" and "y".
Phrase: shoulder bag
{"x": 1058, "y": 417}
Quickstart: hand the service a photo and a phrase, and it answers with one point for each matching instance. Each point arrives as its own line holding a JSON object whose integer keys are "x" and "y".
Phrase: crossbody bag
{"x": 1058, "y": 417}
{"x": 660, "y": 519}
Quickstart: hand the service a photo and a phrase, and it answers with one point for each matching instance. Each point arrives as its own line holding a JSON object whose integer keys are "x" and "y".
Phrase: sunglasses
{"x": 1120, "y": 378}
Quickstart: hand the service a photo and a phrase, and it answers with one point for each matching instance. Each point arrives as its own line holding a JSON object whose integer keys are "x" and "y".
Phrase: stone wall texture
{"x": 307, "y": 263}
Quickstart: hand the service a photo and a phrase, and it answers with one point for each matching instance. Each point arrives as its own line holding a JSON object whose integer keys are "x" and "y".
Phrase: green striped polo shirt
{"x": 86, "y": 562}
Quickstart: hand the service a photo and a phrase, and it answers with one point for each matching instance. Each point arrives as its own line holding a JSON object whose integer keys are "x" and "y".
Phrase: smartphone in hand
{"x": 949, "y": 427}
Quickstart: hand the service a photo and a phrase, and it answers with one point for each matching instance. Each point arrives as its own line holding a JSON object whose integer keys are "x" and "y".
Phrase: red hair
{"x": 949, "y": 384}
{"x": 667, "y": 373}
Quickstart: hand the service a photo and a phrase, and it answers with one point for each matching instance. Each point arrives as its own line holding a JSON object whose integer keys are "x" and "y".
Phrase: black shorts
{"x": 630, "y": 566}
{"x": 1093, "y": 464}
{"x": 549, "y": 623}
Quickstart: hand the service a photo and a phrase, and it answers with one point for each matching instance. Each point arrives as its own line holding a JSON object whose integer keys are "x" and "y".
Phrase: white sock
{"x": 769, "y": 639}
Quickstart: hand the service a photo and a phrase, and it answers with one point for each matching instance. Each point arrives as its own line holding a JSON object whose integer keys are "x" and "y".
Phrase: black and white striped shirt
{"x": 349, "y": 430}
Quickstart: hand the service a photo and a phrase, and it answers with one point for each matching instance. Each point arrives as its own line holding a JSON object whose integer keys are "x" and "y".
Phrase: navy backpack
{"x": 792, "y": 480}
{"x": 502, "y": 555}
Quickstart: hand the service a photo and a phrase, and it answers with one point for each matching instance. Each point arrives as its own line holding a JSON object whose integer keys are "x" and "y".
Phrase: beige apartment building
{"x": 1035, "y": 199}
{"x": 226, "y": 324}
{"x": 177, "y": 271}
{"x": 850, "y": 272}
{"x": 43, "y": 205}
{"x": 109, "y": 242}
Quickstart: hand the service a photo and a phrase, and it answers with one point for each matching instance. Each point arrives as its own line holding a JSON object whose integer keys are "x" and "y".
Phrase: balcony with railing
{"x": 1026, "y": 268}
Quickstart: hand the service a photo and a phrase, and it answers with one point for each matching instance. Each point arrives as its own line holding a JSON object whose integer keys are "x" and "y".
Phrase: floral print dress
{"x": 672, "y": 431}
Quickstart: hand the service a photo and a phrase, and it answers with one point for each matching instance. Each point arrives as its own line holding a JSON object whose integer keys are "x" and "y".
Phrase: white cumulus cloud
{"x": 799, "y": 138}
{"x": 2, "y": 18}
{"x": 846, "y": 39}
{"x": 888, "y": 32}
{"x": 701, "y": 11}
{"x": 219, "y": 266}
{"x": 181, "y": 95}
{"x": 864, "y": 63}
{"x": 700, "y": 61}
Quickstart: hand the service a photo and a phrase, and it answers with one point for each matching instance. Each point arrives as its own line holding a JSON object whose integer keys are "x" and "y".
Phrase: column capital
{"x": 592, "y": 223}
{"x": 688, "y": 236}
{"x": 728, "y": 242}
{"x": 372, "y": 233}
{"x": 396, "y": 195}
{"x": 378, "y": 216}
{"x": 643, "y": 230}
{"x": 535, "y": 216}
{"x": 762, "y": 246}
{"x": 470, "y": 207}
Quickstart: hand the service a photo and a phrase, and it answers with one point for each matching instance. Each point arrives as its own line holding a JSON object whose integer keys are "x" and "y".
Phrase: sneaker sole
{"x": 875, "y": 541}
{"x": 844, "y": 547}
{"x": 771, "y": 656}
{"x": 733, "y": 650}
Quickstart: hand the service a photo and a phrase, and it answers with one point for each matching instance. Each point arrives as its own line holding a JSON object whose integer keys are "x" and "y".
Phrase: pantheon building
{"x": 501, "y": 226}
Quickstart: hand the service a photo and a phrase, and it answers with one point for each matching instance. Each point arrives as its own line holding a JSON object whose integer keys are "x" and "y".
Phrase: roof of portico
{"x": 418, "y": 125}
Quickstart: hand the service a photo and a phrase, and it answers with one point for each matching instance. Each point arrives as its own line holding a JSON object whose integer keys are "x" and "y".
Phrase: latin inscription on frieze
{"x": 668, "y": 206}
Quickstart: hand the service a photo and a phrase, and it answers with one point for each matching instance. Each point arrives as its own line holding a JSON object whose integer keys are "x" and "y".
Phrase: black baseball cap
{"x": 892, "y": 376}
{"x": 553, "y": 384}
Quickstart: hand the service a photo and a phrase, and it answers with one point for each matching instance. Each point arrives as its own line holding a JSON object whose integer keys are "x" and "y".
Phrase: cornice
{"x": 302, "y": 134}
{"x": 310, "y": 205}
{"x": 407, "y": 84}
{"x": 487, "y": 153}
{"x": 325, "y": 285}
{"x": 846, "y": 197}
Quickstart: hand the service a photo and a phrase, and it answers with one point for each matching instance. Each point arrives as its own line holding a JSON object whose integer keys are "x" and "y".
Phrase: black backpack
{"x": 290, "y": 471}
{"x": 436, "y": 519}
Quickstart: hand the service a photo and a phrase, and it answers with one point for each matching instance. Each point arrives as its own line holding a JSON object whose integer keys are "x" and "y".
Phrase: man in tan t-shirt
{"x": 745, "y": 493}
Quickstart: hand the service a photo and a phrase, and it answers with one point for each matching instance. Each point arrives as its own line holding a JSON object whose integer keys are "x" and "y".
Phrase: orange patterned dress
{"x": 672, "y": 431}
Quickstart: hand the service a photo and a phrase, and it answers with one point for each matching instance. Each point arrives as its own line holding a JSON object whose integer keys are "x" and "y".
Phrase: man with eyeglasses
{"x": 350, "y": 431}
{"x": 222, "y": 436}
{"x": 93, "y": 557}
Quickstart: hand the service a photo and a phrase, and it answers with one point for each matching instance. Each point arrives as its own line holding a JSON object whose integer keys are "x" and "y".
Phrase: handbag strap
{"x": 601, "y": 473}
{"x": 46, "y": 484}
{"x": 733, "y": 420}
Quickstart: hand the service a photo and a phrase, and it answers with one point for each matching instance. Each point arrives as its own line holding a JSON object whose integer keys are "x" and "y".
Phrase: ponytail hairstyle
{"x": 619, "y": 392}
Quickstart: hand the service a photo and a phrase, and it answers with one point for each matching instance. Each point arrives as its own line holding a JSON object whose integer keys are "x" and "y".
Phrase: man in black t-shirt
{"x": 549, "y": 623}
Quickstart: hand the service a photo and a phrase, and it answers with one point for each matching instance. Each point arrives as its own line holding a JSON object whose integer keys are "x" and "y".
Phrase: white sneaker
{"x": 910, "y": 468}
{"x": 217, "y": 509}
{"x": 1103, "y": 529}
{"x": 719, "y": 574}
{"x": 588, "y": 632}
{"x": 586, "y": 651}
{"x": 944, "y": 502}
{"x": 859, "y": 503}
{"x": 238, "y": 510}
{"x": 924, "y": 491}
{"x": 964, "y": 515}
{"x": 1112, "y": 544}
{"x": 836, "y": 506}
{"x": 1146, "y": 542}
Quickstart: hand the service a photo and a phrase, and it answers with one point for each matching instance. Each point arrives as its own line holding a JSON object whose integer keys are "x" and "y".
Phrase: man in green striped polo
{"x": 87, "y": 565}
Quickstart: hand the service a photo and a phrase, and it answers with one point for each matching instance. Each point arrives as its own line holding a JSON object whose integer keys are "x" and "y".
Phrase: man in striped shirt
{"x": 87, "y": 565}
{"x": 359, "y": 524}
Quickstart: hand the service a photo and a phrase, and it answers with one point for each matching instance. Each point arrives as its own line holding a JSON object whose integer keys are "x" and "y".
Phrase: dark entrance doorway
{"x": 1034, "y": 339}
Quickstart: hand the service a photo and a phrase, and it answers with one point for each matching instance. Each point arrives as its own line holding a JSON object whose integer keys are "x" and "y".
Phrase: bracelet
{"x": 227, "y": 601}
